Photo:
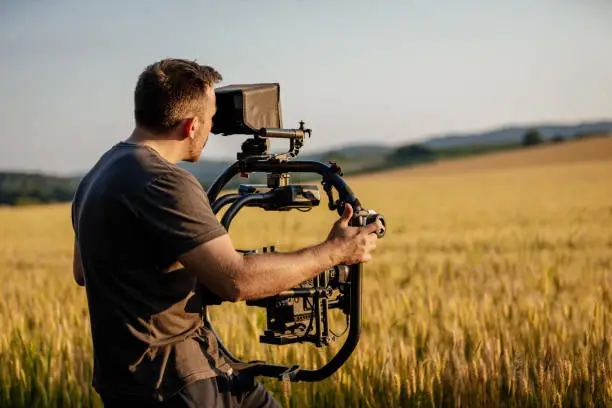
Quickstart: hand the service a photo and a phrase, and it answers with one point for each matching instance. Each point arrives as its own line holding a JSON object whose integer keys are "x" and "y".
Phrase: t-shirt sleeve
{"x": 176, "y": 210}
{"x": 74, "y": 209}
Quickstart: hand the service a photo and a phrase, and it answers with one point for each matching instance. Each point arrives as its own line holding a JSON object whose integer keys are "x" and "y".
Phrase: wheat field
{"x": 492, "y": 287}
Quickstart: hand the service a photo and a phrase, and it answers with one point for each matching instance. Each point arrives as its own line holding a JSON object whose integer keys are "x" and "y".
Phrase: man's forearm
{"x": 234, "y": 277}
{"x": 262, "y": 275}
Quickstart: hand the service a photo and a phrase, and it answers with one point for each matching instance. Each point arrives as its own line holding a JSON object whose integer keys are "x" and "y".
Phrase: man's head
{"x": 175, "y": 100}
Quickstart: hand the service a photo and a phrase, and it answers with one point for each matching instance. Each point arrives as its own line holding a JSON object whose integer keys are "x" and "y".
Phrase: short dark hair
{"x": 171, "y": 90}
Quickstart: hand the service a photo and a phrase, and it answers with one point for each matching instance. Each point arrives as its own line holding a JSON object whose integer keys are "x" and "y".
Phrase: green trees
{"x": 557, "y": 139}
{"x": 532, "y": 137}
{"x": 413, "y": 153}
{"x": 22, "y": 189}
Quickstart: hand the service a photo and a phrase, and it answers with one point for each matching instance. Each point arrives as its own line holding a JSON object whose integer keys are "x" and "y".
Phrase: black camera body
{"x": 300, "y": 314}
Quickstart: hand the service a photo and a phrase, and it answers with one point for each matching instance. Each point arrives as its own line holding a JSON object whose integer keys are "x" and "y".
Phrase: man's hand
{"x": 358, "y": 242}
{"x": 235, "y": 277}
{"x": 341, "y": 227}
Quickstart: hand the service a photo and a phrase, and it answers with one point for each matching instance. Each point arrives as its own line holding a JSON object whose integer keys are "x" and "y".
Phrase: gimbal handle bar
{"x": 328, "y": 173}
{"x": 238, "y": 201}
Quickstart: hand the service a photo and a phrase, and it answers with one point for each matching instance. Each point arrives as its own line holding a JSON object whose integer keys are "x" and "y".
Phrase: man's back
{"x": 134, "y": 213}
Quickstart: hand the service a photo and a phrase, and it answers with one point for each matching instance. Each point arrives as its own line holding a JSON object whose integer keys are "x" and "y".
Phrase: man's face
{"x": 204, "y": 125}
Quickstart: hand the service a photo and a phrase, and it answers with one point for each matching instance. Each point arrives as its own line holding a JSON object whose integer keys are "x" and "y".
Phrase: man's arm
{"x": 77, "y": 266}
{"x": 177, "y": 213}
{"x": 236, "y": 277}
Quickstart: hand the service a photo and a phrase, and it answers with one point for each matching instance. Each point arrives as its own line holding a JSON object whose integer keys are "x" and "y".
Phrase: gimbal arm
{"x": 330, "y": 175}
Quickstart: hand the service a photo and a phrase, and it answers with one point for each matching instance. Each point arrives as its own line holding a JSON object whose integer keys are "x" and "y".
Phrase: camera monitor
{"x": 247, "y": 108}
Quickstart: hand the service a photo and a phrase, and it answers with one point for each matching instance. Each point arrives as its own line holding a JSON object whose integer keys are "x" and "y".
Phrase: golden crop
{"x": 492, "y": 287}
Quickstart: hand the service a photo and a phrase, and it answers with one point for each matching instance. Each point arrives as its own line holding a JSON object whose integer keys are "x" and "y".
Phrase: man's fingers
{"x": 372, "y": 238}
{"x": 374, "y": 227}
{"x": 346, "y": 215}
{"x": 381, "y": 227}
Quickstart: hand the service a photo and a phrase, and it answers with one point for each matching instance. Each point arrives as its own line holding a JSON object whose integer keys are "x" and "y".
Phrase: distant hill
{"x": 513, "y": 134}
{"x": 23, "y": 188}
{"x": 375, "y": 157}
{"x": 353, "y": 151}
{"x": 596, "y": 149}
{"x": 352, "y": 158}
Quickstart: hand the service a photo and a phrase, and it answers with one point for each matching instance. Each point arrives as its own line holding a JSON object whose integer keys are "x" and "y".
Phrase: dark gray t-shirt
{"x": 133, "y": 214}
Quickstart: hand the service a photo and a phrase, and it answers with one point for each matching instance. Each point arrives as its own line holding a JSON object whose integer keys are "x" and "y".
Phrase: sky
{"x": 388, "y": 72}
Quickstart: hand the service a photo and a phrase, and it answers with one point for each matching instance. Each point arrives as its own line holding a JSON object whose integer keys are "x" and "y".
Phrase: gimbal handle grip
{"x": 372, "y": 218}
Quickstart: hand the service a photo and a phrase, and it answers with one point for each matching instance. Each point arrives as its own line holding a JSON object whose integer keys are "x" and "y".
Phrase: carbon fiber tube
{"x": 223, "y": 201}
{"x": 220, "y": 182}
{"x": 248, "y": 166}
{"x": 241, "y": 202}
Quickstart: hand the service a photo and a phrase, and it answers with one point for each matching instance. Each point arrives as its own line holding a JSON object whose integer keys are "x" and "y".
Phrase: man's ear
{"x": 189, "y": 127}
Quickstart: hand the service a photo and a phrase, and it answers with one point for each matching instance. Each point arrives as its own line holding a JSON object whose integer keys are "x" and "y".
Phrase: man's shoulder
{"x": 180, "y": 174}
{"x": 124, "y": 170}
{"x": 130, "y": 174}
{"x": 139, "y": 162}
{"x": 176, "y": 180}
{"x": 152, "y": 165}
{"x": 133, "y": 167}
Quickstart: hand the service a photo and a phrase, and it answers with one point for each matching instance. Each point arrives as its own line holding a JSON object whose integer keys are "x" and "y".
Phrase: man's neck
{"x": 168, "y": 148}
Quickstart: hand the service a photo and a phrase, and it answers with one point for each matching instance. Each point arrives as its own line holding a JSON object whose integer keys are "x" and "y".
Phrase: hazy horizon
{"x": 356, "y": 74}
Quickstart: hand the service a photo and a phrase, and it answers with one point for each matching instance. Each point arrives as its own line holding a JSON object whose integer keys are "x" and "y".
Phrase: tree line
{"x": 22, "y": 189}
{"x": 420, "y": 153}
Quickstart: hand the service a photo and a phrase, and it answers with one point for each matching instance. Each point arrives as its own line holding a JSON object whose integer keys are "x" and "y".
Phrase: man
{"x": 146, "y": 240}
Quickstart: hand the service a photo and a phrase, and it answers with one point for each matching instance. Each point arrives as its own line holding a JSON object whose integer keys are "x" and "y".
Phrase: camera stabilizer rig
{"x": 300, "y": 314}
